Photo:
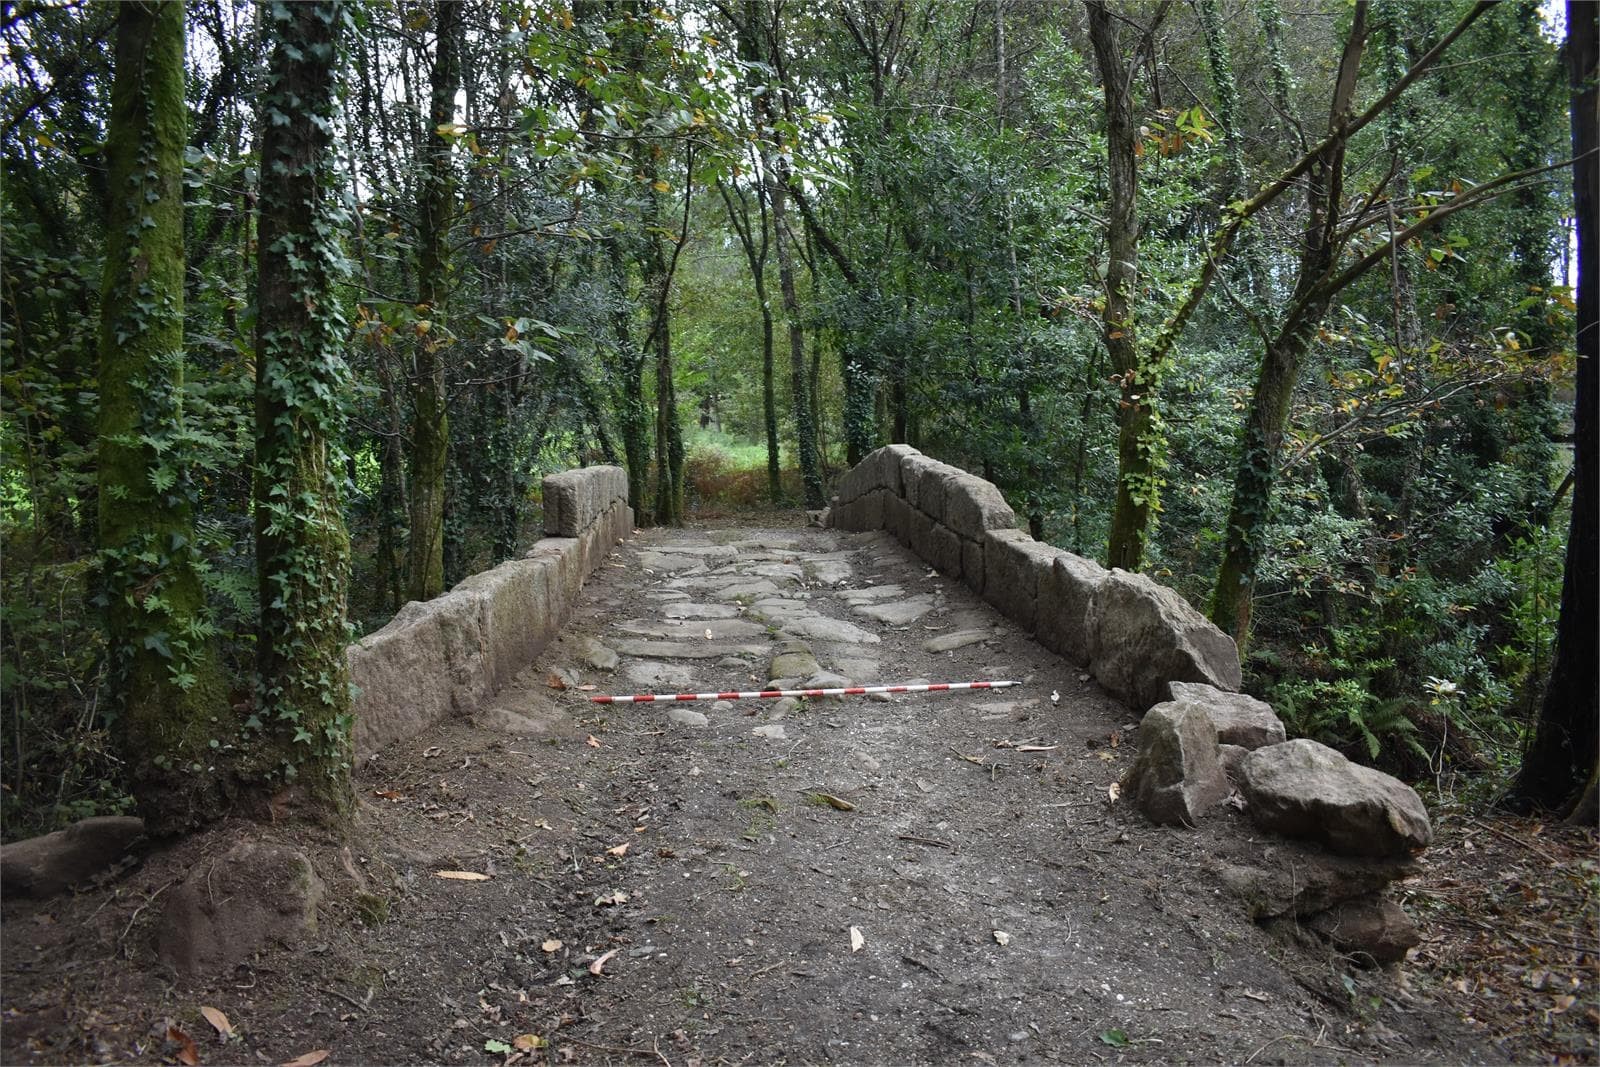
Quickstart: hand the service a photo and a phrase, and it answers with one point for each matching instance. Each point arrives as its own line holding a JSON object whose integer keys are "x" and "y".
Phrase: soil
{"x": 929, "y": 879}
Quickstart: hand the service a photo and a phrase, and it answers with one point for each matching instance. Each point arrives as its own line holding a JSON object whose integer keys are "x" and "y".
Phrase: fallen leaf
{"x": 1114, "y": 1037}
{"x": 1103, "y": 754}
{"x": 831, "y": 801}
{"x": 555, "y": 681}
{"x": 1002, "y": 938}
{"x": 216, "y": 1018}
{"x": 188, "y": 1054}
{"x": 462, "y": 876}
{"x": 542, "y": 824}
{"x": 496, "y": 1047}
{"x": 1037, "y": 748}
{"x": 708, "y": 633}
{"x": 616, "y": 896}
{"x": 527, "y": 1042}
{"x": 1114, "y": 790}
{"x": 592, "y": 741}
{"x": 1116, "y": 738}
{"x": 310, "y": 1059}
{"x": 600, "y": 963}
{"x": 389, "y": 794}
{"x": 971, "y": 759}
{"x": 1562, "y": 1003}
{"x": 432, "y": 751}
{"x": 619, "y": 850}
{"x": 583, "y": 689}
{"x": 857, "y": 941}
{"x": 552, "y": 945}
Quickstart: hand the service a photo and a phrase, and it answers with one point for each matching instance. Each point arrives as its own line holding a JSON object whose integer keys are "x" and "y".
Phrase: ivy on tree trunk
{"x": 303, "y": 699}
{"x": 172, "y": 703}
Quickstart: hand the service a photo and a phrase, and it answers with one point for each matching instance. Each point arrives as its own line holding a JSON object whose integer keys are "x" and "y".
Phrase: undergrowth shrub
{"x": 715, "y": 480}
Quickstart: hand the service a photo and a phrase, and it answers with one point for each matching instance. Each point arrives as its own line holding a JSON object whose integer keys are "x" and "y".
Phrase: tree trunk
{"x": 1559, "y": 770}
{"x": 430, "y": 422}
{"x": 171, "y": 693}
{"x": 1136, "y": 463}
{"x": 302, "y": 549}
{"x": 1250, "y": 511}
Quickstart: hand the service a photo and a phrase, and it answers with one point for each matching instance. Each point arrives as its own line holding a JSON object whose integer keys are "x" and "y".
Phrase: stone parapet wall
{"x": 1135, "y": 635}
{"x": 1202, "y": 744}
{"x": 448, "y": 655}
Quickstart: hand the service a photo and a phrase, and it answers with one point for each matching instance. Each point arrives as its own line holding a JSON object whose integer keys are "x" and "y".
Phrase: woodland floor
{"x": 984, "y": 899}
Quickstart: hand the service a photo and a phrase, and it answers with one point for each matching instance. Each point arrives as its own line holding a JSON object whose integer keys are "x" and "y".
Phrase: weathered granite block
{"x": 920, "y": 526}
{"x": 517, "y": 614}
{"x": 972, "y": 507}
{"x": 1176, "y": 779}
{"x": 972, "y": 565}
{"x": 911, "y": 468}
{"x": 1062, "y": 614}
{"x": 1305, "y": 789}
{"x": 1013, "y": 565}
{"x": 1145, "y": 635}
{"x": 897, "y": 518}
{"x": 944, "y": 551}
{"x": 1240, "y": 720}
{"x": 931, "y": 489}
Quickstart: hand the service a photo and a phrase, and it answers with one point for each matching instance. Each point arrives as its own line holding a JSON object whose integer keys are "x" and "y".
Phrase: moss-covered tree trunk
{"x": 430, "y": 423}
{"x": 302, "y": 550}
{"x": 172, "y": 701}
{"x": 1136, "y": 462}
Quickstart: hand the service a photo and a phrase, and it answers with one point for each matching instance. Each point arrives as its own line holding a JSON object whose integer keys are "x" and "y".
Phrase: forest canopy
{"x": 1274, "y": 302}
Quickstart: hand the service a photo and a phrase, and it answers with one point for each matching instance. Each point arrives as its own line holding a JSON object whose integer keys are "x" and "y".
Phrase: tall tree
{"x": 1560, "y": 768}
{"x": 170, "y": 689}
{"x": 430, "y": 420}
{"x": 302, "y": 549}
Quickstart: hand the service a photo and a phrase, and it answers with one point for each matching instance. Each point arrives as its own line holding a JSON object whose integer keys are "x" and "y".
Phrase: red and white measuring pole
{"x": 767, "y": 694}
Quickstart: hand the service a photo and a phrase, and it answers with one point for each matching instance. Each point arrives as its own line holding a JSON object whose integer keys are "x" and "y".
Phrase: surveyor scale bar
{"x": 767, "y": 694}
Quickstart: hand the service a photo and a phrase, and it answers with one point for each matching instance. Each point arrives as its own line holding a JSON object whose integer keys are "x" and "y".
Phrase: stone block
{"x": 517, "y": 615}
{"x": 932, "y": 481}
{"x": 944, "y": 551}
{"x": 1062, "y": 614}
{"x": 428, "y": 663}
{"x": 1307, "y": 790}
{"x": 1240, "y": 720}
{"x": 1300, "y": 880}
{"x": 890, "y": 464}
{"x": 1013, "y": 566}
{"x": 226, "y": 911}
{"x": 1144, "y": 635}
{"x": 920, "y": 527}
{"x": 1176, "y": 779}
{"x": 973, "y": 507}
{"x": 872, "y": 510}
{"x": 972, "y": 565}
{"x": 911, "y": 467}
{"x": 897, "y": 518}
{"x": 1373, "y": 929}
{"x": 561, "y": 508}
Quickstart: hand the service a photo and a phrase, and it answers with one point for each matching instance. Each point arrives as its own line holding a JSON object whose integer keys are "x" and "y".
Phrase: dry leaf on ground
{"x": 462, "y": 876}
{"x": 619, "y": 850}
{"x": 599, "y": 964}
{"x": 188, "y": 1054}
{"x": 552, "y": 945}
{"x": 1002, "y": 938}
{"x": 217, "y": 1018}
{"x": 857, "y": 941}
{"x": 310, "y": 1059}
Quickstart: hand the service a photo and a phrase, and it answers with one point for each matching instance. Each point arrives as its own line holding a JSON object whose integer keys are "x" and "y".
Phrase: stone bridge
{"x": 1113, "y": 856}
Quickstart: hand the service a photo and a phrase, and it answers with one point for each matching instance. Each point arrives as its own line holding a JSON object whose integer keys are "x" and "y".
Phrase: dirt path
{"x": 926, "y": 879}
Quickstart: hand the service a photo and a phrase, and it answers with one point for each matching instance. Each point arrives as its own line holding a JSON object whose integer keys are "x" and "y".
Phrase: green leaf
{"x": 1114, "y": 1037}
{"x": 499, "y": 1048}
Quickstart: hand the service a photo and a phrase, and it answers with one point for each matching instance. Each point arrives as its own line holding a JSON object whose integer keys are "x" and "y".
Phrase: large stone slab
{"x": 685, "y": 649}
{"x": 1014, "y": 566}
{"x": 960, "y": 639}
{"x": 686, "y": 609}
{"x": 897, "y": 612}
{"x": 973, "y": 507}
{"x": 1176, "y": 779}
{"x": 41, "y": 867}
{"x": 792, "y": 660}
{"x": 1144, "y": 636}
{"x": 1305, "y": 789}
{"x": 650, "y": 674}
{"x": 430, "y": 662}
{"x": 718, "y": 629}
{"x": 575, "y": 500}
{"x": 822, "y": 628}
{"x": 1240, "y": 719}
{"x": 1061, "y": 620}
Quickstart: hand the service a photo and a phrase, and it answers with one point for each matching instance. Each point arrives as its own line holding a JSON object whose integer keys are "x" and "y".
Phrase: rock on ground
{"x": 1304, "y": 789}
{"x": 229, "y": 908}
{"x": 1144, "y": 636}
{"x": 1374, "y": 927}
{"x": 1240, "y": 720}
{"x": 1177, "y": 778}
{"x": 41, "y": 867}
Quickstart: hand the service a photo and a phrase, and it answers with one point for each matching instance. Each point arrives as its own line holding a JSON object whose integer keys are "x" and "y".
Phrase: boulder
{"x": 1176, "y": 778}
{"x": 1144, "y": 636}
{"x": 1298, "y": 880}
{"x": 1305, "y": 789}
{"x": 1373, "y": 927}
{"x": 41, "y": 867}
{"x": 1232, "y": 757}
{"x": 230, "y": 908}
{"x": 1240, "y": 720}
{"x": 1061, "y": 618}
